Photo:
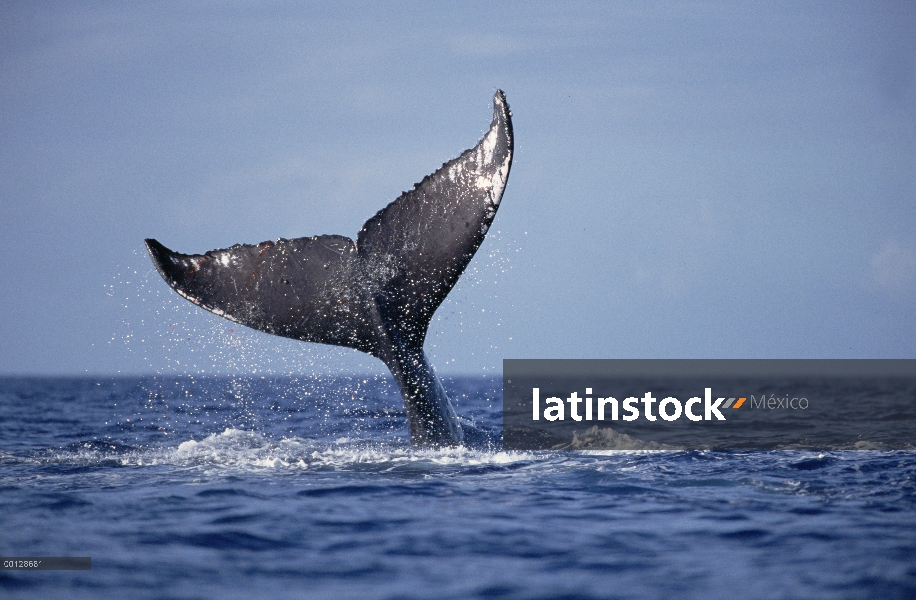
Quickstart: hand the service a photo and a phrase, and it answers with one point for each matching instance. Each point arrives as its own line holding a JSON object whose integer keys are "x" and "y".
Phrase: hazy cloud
{"x": 893, "y": 268}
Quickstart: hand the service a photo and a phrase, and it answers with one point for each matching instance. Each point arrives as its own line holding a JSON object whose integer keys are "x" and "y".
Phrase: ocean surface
{"x": 190, "y": 487}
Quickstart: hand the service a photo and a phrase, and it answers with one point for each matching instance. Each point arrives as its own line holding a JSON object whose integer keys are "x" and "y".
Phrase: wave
{"x": 239, "y": 451}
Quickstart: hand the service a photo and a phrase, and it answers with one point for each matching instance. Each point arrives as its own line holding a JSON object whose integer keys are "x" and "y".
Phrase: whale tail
{"x": 377, "y": 294}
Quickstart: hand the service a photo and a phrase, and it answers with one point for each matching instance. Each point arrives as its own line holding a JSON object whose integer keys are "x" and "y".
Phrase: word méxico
{"x": 669, "y": 409}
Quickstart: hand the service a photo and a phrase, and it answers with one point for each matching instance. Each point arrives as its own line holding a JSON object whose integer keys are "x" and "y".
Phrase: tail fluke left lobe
{"x": 306, "y": 288}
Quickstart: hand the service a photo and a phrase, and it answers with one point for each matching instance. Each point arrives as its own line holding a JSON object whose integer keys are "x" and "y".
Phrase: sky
{"x": 691, "y": 179}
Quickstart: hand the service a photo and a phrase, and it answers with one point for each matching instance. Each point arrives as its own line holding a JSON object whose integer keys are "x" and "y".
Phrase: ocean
{"x": 286, "y": 487}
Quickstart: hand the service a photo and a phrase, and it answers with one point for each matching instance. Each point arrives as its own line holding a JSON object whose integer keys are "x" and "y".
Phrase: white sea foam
{"x": 240, "y": 448}
{"x": 251, "y": 450}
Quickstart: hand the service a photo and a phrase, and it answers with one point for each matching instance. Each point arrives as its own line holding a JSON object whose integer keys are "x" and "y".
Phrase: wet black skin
{"x": 377, "y": 294}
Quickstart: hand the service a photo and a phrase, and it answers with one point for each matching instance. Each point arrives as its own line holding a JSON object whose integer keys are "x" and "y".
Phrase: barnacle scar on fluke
{"x": 377, "y": 294}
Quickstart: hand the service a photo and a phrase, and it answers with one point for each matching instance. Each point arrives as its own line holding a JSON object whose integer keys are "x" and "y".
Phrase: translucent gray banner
{"x": 45, "y": 563}
{"x": 709, "y": 404}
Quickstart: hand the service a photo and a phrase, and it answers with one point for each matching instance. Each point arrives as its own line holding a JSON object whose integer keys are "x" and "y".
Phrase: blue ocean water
{"x": 306, "y": 488}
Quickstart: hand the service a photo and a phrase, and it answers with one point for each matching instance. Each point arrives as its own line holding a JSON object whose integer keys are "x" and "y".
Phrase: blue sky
{"x": 691, "y": 180}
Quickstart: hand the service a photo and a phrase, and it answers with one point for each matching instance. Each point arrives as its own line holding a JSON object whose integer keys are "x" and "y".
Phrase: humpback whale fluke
{"x": 377, "y": 294}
